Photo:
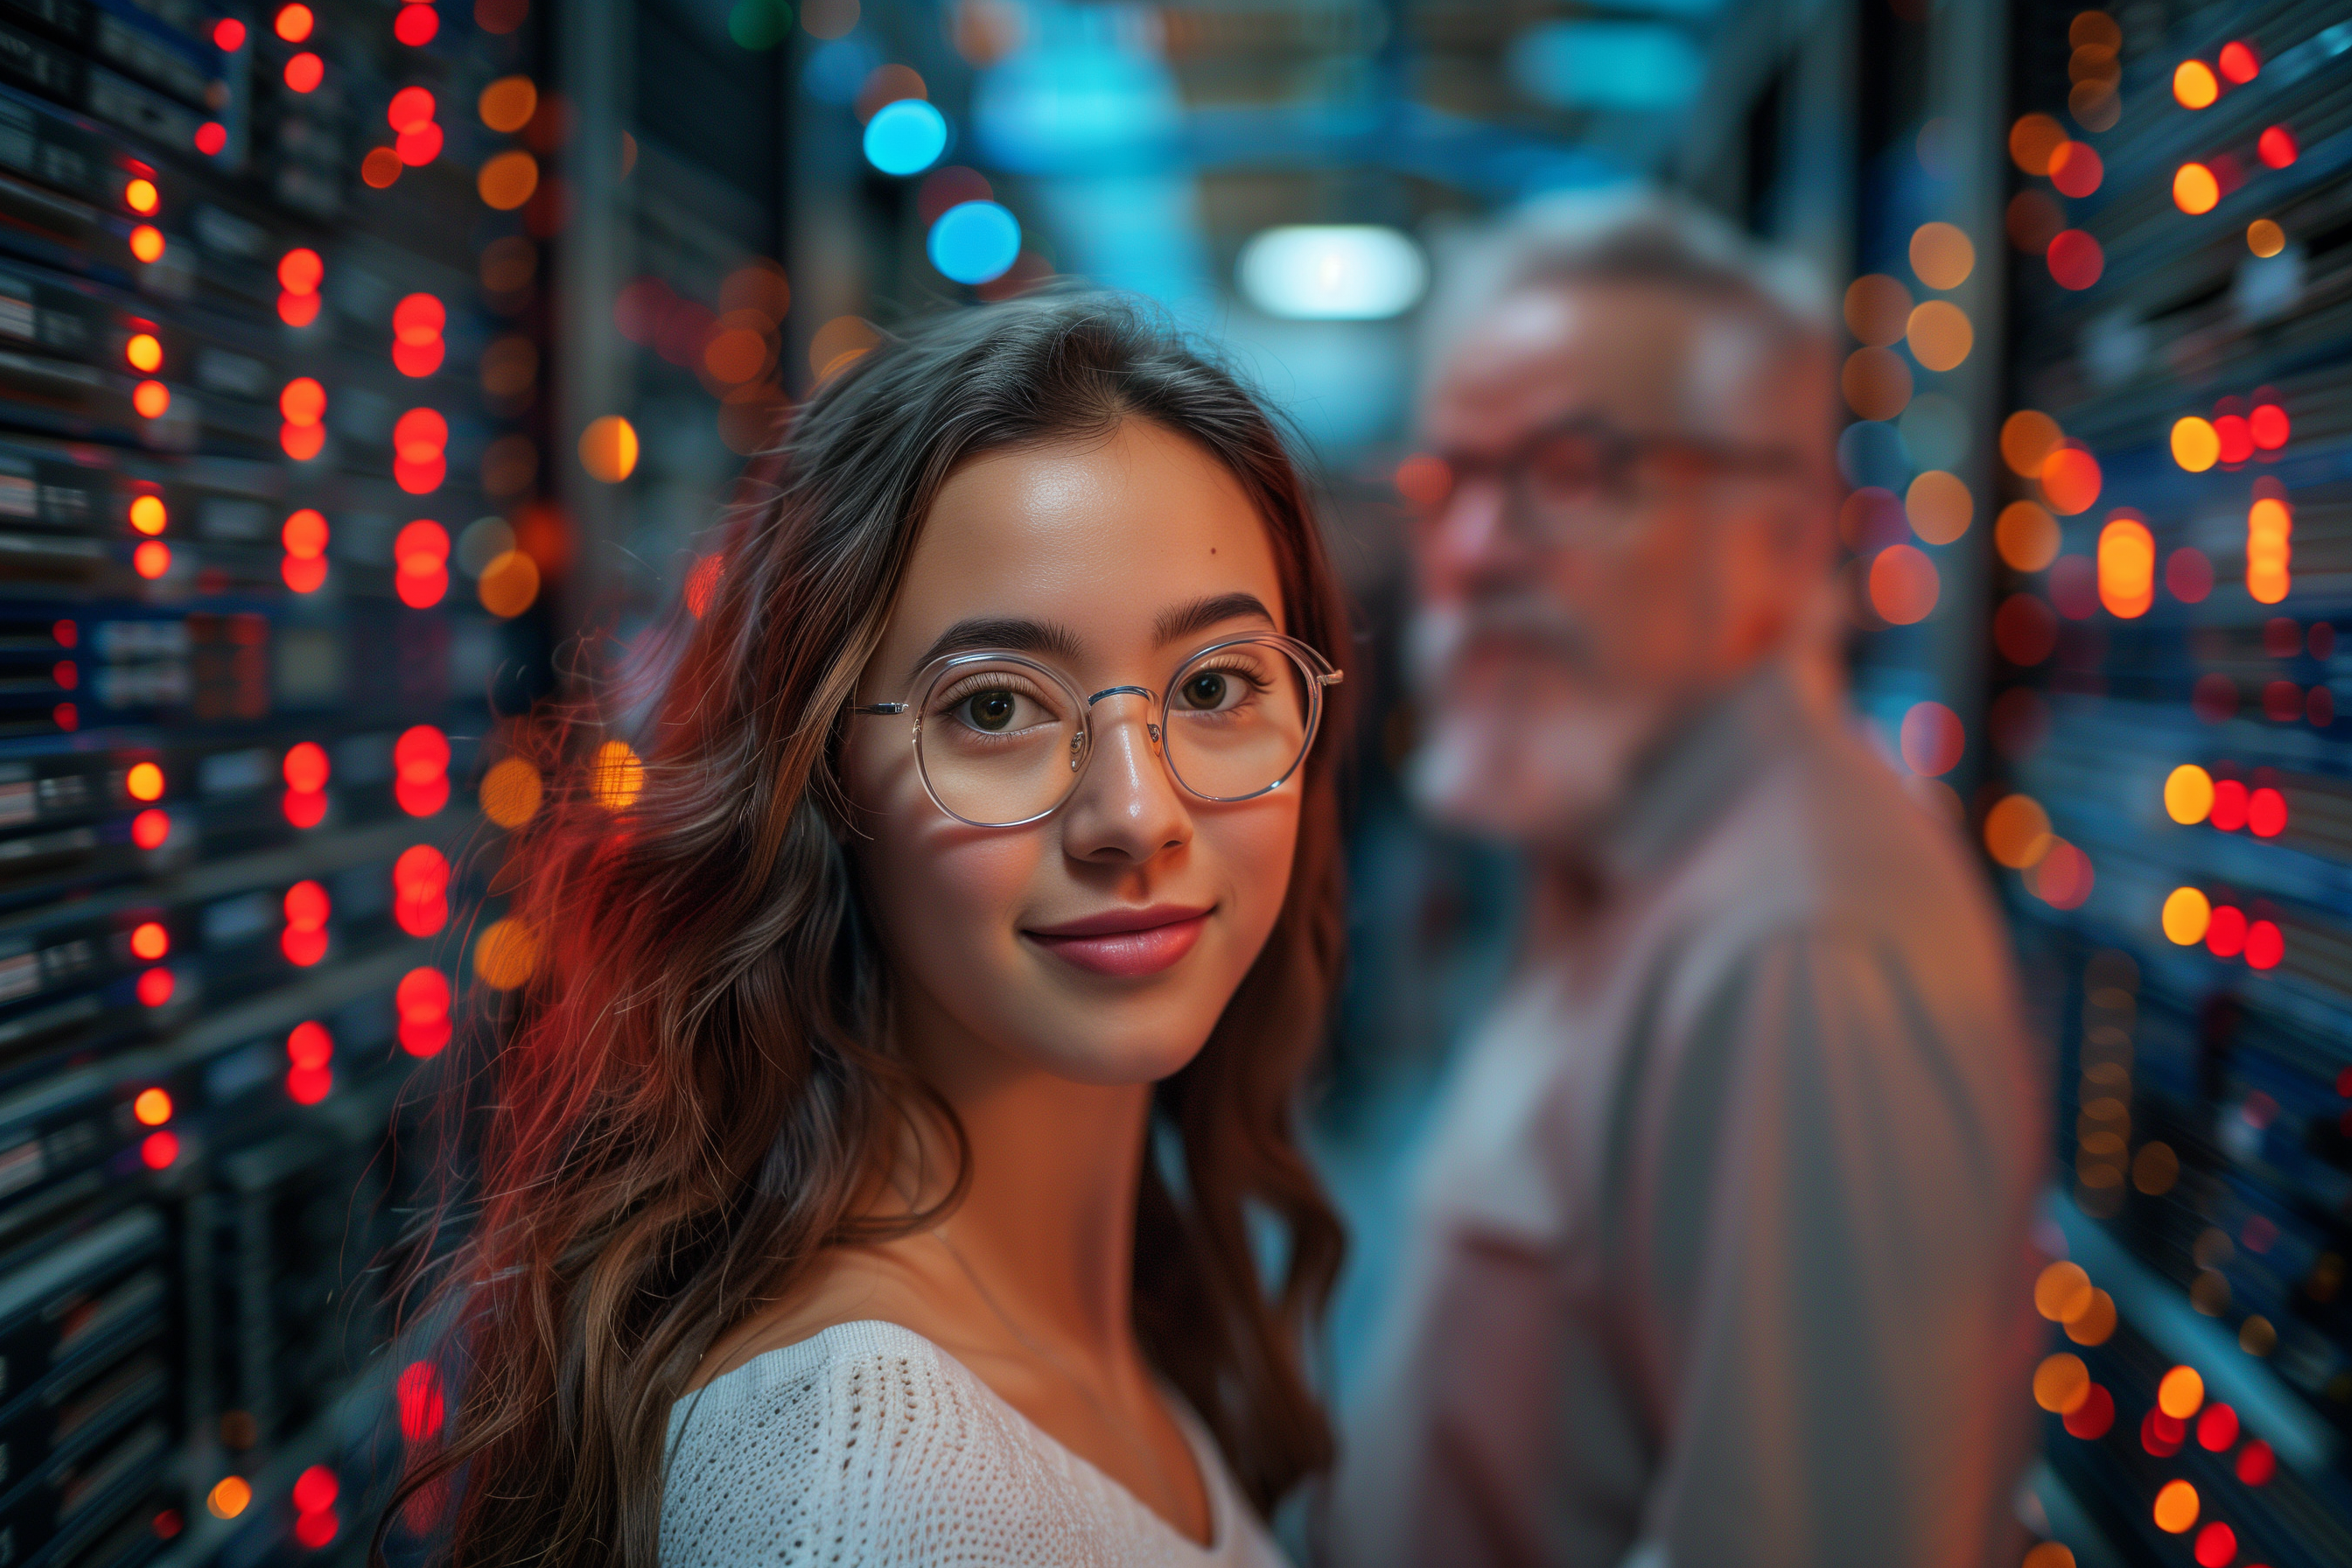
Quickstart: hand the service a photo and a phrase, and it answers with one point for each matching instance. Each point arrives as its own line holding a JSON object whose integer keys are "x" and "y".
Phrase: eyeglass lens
{"x": 1003, "y": 740}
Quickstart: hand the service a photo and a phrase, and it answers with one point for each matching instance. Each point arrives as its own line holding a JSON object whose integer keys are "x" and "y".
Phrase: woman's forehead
{"x": 1102, "y": 536}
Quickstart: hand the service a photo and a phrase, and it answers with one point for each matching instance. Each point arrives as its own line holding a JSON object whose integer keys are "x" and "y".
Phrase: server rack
{"x": 2170, "y": 724}
{"x": 272, "y": 531}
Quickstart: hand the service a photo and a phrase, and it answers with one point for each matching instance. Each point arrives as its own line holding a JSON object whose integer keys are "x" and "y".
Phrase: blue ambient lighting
{"x": 906, "y": 137}
{"x": 974, "y": 241}
{"x": 1333, "y": 272}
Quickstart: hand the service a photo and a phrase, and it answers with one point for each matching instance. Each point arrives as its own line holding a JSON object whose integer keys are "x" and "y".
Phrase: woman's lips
{"x": 1124, "y": 943}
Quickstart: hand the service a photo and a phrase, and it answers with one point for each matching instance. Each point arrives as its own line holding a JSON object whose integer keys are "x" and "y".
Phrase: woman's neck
{"x": 1047, "y": 1226}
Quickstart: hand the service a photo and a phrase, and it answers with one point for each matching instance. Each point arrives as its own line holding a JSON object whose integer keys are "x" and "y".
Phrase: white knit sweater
{"x": 869, "y": 1445}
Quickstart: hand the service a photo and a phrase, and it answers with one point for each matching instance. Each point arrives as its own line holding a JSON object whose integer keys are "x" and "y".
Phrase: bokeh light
{"x": 2237, "y": 61}
{"x": 974, "y": 241}
{"x": 1877, "y": 308}
{"x": 617, "y": 775}
{"x": 2026, "y": 535}
{"x": 1939, "y": 507}
{"x": 2264, "y": 238}
{"x": 2193, "y": 84}
{"x": 1941, "y": 255}
{"x": 2196, "y": 446}
{"x": 906, "y": 137}
{"x": 2032, "y": 140}
{"x": 2181, "y": 1393}
{"x": 1932, "y": 738}
{"x": 1904, "y": 585}
{"x": 2194, "y": 189}
{"x": 1939, "y": 335}
{"x": 2075, "y": 169}
{"x": 508, "y": 179}
{"x": 608, "y": 448}
{"x": 2176, "y": 1507}
{"x": 2017, "y": 832}
{"x": 2127, "y": 567}
{"x": 510, "y": 792}
{"x": 1876, "y": 383}
{"x": 2070, "y": 480}
{"x": 2187, "y": 915}
{"x": 505, "y": 953}
{"x": 2188, "y": 793}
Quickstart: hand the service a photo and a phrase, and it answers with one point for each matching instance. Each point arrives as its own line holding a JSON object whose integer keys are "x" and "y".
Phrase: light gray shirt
{"x": 1721, "y": 1253}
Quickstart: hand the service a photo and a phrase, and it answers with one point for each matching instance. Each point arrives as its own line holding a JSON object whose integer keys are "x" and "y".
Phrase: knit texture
{"x": 869, "y": 1445}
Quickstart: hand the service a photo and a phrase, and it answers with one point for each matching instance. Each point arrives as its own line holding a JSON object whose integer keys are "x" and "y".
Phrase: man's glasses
{"x": 1003, "y": 739}
{"x": 1567, "y": 478}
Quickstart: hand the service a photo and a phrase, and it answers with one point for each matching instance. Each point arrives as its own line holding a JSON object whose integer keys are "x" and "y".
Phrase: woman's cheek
{"x": 1257, "y": 841}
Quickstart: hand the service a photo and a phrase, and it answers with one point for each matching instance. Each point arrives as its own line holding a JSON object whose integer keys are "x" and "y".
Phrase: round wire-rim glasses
{"x": 1008, "y": 728}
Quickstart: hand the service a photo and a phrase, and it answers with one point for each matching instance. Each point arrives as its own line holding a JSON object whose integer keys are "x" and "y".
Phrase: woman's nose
{"x": 1127, "y": 807}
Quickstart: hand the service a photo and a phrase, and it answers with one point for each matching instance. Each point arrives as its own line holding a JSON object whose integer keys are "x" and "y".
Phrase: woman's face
{"x": 1101, "y": 943}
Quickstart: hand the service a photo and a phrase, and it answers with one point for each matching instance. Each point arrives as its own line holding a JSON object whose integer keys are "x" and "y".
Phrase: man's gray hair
{"x": 1629, "y": 233}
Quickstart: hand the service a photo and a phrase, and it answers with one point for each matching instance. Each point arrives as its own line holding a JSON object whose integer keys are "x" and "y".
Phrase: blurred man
{"x": 1721, "y": 1252}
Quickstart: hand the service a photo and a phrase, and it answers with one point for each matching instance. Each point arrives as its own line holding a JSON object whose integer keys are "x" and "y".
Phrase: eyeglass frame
{"x": 1623, "y": 448}
{"x": 1319, "y": 671}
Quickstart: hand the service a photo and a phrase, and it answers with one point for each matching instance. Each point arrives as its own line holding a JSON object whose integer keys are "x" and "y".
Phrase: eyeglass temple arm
{"x": 882, "y": 708}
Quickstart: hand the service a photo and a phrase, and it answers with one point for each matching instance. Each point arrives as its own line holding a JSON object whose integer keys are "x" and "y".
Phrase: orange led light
{"x": 294, "y": 23}
{"x": 141, "y": 196}
{"x": 151, "y": 399}
{"x": 299, "y": 270}
{"x": 305, "y": 534}
{"x": 143, "y": 782}
{"x": 304, "y": 72}
{"x": 152, "y": 560}
{"x": 149, "y": 940}
{"x": 2195, "y": 190}
{"x": 298, "y": 310}
{"x": 410, "y": 108}
{"x": 303, "y": 401}
{"x": 152, "y": 1107}
{"x": 2193, "y": 86}
{"x": 147, "y": 242}
{"x": 144, "y": 351}
{"x": 147, "y": 514}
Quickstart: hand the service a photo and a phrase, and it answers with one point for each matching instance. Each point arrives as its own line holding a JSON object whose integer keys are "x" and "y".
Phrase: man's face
{"x": 1572, "y": 606}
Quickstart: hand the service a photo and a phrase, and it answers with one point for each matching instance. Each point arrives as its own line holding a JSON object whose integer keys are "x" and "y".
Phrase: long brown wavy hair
{"x": 696, "y": 1093}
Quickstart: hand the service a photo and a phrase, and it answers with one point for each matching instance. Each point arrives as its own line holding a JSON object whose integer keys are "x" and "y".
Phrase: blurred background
{"x": 372, "y": 370}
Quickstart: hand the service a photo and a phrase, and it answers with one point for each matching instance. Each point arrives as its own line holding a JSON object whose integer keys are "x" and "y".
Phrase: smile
{"x": 1128, "y": 943}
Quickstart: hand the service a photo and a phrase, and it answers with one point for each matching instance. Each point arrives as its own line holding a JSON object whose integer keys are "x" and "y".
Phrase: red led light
{"x": 155, "y": 987}
{"x": 299, "y": 270}
{"x": 149, "y": 940}
{"x": 2225, "y": 934}
{"x": 2230, "y": 805}
{"x": 211, "y": 137}
{"x": 418, "y": 360}
{"x": 420, "y": 553}
{"x": 2216, "y": 1546}
{"x": 2276, "y": 147}
{"x": 66, "y": 633}
{"x": 304, "y": 940}
{"x": 419, "y": 319}
{"x": 152, "y": 560}
{"x": 305, "y": 533}
{"x": 418, "y": 147}
{"x": 158, "y": 1150}
{"x": 315, "y": 1488}
{"x": 422, "y": 1000}
{"x": 65, "y": 716}
{"x": 416, "y": 25}
{"x": 420, "y": 434}
{"x": 420, "y": 760}
{"x": 420, "y": 881}
{"x": 410, "y": 108}
{"x": 294, "y": 23}
{"x": 2265, "y": 945}
{"x": 2075, "y": 259}
{"x": 65, "y": 674}
{"x": 2268, "y": 426}
{"x": 303, "y": 401}
{"x": 150, "y": 828}
{"x": 302, "y": 442}
{"x": 2266, "y": 813}
{"x": 2093, "y": 1416}
{"x": 417, "y": 1392}
{"x": 2217, "y": 1428}
{"x": 308, "y": 1085}
{"x": 301, "y": 575}
{"x": 2162, "y": 1435}
{"x": 309, "y": 1044}
{"x": 2236, "y": 437}
{"x": 2237, "y": 63}
{"x": 298, "y": 310}
{"x": 229, "y": 35}
{"x": 306, "y": 767}
{"x": 305, "y": 71}
{"x": 2257, "y": 1464}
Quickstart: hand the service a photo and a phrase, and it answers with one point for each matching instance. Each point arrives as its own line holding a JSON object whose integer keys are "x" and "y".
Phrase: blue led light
{"x": 974, "y": 241}
{"x": 906, "y": 137}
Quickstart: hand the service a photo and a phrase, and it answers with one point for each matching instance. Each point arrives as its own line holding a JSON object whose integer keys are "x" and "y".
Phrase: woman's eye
{"x": 990, "y": 711}
{"x": 1206, "y": 689}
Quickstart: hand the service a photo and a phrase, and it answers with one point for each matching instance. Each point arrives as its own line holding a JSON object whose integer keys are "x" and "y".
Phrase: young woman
{"x": 897, "y": 1120}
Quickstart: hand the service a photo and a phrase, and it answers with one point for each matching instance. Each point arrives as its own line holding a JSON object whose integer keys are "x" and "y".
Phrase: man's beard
{"x": 1521, "y": 737}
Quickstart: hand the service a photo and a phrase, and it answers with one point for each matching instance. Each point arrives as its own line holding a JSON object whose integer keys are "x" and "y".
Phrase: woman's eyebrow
{"x": 1183, "y": 620}
{"x": 1013, "y": 634}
